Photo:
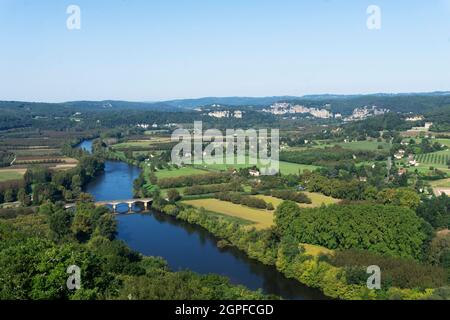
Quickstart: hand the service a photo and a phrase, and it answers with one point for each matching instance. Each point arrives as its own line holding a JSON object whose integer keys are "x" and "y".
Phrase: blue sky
{"x": 164, "y": 49}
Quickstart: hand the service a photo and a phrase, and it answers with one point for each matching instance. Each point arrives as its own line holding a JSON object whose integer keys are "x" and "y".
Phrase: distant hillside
{"x": 405, "y": 103}
{"x": 228, "y": 101}
{"x": 344, "y": 104}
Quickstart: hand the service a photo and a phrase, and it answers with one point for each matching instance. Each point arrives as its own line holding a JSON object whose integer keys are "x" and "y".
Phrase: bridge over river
{"x": 130, "y": 202}
{"x": 114, "y": 203}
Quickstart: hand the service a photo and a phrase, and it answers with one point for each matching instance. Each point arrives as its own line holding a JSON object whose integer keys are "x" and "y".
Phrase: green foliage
{"x": 59, "y": 223}
{"x": 291, "y": 195}
{"x": 33, "y": 266}
{"x": 188, "y": 181}
{"x": 326, "y": 156}
{"x": 436, "y": 211}
{"x": 212, "y": 188}
{"x": 388, "y": 230}
{"x": 286, "y": 213}
{"x": 173, "y": 195}
{"x": 439, "y": 253}
{"x": 396, "y": 272}
{"x": 237, "y": 198}
{"x": 400, "y": 197}
{"x": 183, "y": 285}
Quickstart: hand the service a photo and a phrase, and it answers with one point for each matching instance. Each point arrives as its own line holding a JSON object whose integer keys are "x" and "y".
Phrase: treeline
{"x": 327, "y": 156}
{"x": 212, "y": 188}
{"x": 355, "y": 190}
{"x": 388, "y": 230}
{"x": 396, "y": 272}
{"x": 189, "y": 181}
{"x": 41, "y": 161}
{"x": 110, "y": 270}
{"x": 6, "y": 158}
{"x": 11, "y": 213}
{"x": 9, "y": 190}
{"x": 440, "y": 118}
{"x": 436, "y": 211}
{"x": 291, "y": 195}
{"x": 425, "y": 146}
{"x": 272, "y": 248}
{"x": 389, "y": 123}
{"x": 40, "y": 184}
{"x": 248, "y": 201}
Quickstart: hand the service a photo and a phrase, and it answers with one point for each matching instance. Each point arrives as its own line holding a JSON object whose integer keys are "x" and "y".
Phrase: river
{"x": 186, "y": 246}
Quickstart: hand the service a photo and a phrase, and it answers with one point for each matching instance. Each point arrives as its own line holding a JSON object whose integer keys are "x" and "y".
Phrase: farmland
{"x": 11, "y": 174}
{"x": 439, "y": 159}
{"x": 286, "y": 168}
{"x": 181, "y": 172}
{"x": 262, "y": 219}
{"x": 145, "y": 143}
{"x": 369, "y": 145}
{"x": 31, "y": 147}
{"x": 316, "y": 198}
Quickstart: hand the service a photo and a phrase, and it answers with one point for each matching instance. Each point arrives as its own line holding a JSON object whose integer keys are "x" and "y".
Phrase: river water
{"x": 186, "y": 246}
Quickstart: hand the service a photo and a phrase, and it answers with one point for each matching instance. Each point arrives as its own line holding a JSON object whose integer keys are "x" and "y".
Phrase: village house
{"x": 254, "y": 173}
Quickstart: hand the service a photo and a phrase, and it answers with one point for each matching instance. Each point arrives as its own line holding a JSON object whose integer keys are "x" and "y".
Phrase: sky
{"x": 149, "y": 50}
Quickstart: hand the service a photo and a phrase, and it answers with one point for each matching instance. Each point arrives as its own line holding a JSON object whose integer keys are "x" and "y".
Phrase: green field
{"x": 365, "y": 145}
{"x": 316, "y": 198}
{"x": 185, "y": 171}
{"x": 295, "y": 168}
{"x": 442, "y": 183}
{"x": 164, "y": 191}
{"x": 10, "y": 175}
{"x": 445, "y": 142}
{"x": 369, "y": 145}
{"x": 438, "y": 159}
{"x": 285, "y": 167}
{"x": 139, "y": 143}
{"x": 262, "y": 219}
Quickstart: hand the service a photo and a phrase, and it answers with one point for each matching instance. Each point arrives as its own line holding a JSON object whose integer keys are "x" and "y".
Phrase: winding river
{"x": 183, "y": 245}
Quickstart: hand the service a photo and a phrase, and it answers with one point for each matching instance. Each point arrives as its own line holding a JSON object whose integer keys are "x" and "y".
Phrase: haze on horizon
{"x": 161, "y": 50}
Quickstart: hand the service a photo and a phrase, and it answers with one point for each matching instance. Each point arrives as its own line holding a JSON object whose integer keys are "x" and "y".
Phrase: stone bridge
{"x": 130, "y": 202}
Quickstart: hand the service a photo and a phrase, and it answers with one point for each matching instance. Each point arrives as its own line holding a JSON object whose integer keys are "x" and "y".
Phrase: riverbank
{"x": 290, "y": 259}
{"x": 185, "y": 245}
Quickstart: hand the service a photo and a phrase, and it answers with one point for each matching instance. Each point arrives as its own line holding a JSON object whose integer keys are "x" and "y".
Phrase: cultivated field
{"x": 140, "y": 143}
{"x": 369, "y": 145}
{"x": 184, "y": 171}
{"x": 285, "y": 167}
{"x": 439, "y": 158}
{"x": 443, "y": 183}
{"x": 11, "y": 174}
{"x": 316, "y": 198}
{"x": 262, "y": 219}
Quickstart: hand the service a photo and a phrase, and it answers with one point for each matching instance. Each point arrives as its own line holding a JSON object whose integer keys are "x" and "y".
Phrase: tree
{"x": 107, "y": 226}
{"x": 285, "y": 214}
{"x": 436, "y": 211}
{"x": 82, "y": 226}
{"x": 85, "y": 198}
{"x": 173, "y": 195}
{"x": 23, "y": 197}
{"x": 9, "y": 196}
{"x": 390, "y": 230}
{"x": 152, "y": 178}
{"x": 59, "y": 223}
{"x": 401, "y": 197}
{"x": 76, "y": 184}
